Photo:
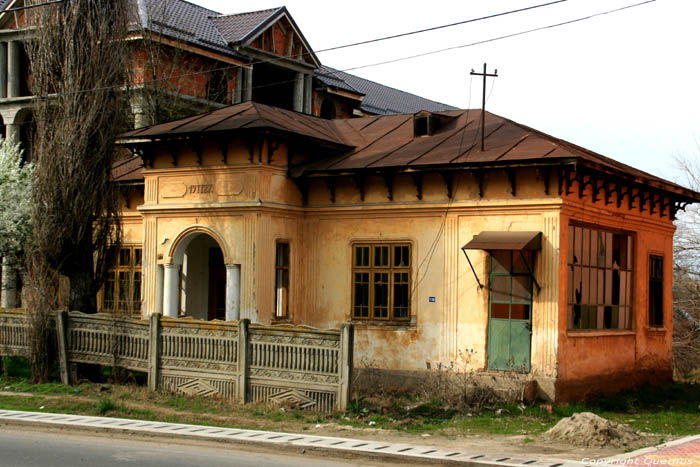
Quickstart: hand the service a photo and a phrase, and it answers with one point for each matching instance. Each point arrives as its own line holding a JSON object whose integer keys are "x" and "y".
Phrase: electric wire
{"x": 435, "y": 28}
{"x": 506, "y": 36}
{"x": 203, "y": 72}
{"x": 433, "y": 52}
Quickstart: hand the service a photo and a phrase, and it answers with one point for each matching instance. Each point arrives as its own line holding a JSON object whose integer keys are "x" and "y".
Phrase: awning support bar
{"x": 530, "y": 271}
{"x": 481, "y": 286}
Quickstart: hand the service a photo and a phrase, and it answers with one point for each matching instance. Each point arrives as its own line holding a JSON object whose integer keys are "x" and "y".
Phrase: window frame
{"x": 133, "y": 303}
{"x": 657, "y": 313}
{"x": 371, "y": 269}
{"x": 281, "y": 268}
{"x": 590, "y": 309}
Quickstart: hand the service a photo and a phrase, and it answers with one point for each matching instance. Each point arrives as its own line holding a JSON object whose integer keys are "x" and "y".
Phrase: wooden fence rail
{"x": 303, "y": 367}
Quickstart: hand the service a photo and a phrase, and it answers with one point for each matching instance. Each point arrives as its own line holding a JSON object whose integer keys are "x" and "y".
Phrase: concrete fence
{"x": 303, "y": 367}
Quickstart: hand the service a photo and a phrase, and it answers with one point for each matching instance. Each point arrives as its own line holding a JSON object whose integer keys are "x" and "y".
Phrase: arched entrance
{"x": 198, "y": 283}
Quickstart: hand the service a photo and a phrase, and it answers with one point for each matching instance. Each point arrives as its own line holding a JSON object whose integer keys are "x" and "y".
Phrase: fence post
{"x": 347, "y": 338}
{"x": 153, "y": 350}
{"x": 243, "y": 360}
{"x": 62, "y": 338}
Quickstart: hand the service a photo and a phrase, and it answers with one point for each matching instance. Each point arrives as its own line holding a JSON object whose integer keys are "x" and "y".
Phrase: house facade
{"x": 330, "y": 199}
{"x": 533, "y": 256}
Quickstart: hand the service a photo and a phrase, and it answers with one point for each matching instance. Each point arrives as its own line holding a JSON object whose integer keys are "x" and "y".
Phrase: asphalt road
{"x": 30, "y": 448}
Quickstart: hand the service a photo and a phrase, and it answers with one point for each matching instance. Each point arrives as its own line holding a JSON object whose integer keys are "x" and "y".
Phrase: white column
{"x": 13, "y": 68}
{"x": 238, "y": 92}
{"x": 308, "y": 94}
{"x": 3, "y": 70}
{"x": 248, "y": 85}
{"x": 233, "y": 292}
{"x": 159, "y": 290}
{"x": 298, "y": 100}
{"x": 171, "y": 280}
{"x": 12, "y": 132}
{"x": 8, "y": 296}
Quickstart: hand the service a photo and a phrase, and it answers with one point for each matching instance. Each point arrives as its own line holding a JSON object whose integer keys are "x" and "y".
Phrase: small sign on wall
{"x": 432, "y": 300}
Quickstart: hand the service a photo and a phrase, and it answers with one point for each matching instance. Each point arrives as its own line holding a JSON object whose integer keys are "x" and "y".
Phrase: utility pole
{"x": 483, "y": 99}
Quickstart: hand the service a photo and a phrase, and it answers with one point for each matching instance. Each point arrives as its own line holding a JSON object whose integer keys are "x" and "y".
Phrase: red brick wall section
{"x": 186, "y": 73}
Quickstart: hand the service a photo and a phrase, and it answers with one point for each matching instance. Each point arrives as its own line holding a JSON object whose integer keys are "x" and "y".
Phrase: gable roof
{"x": 181, "y": 20}
{"x": 379, "y": 99}
{"x": 388, "y": 143}
{"x": 243, "y": 28}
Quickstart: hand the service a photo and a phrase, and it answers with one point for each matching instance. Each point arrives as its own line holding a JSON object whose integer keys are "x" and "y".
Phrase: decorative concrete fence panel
{"x": 14, "y": 338}
{"x": 106, "y": 340}
{"x": 199, "y": 358}
{"x": 299, "y": 366}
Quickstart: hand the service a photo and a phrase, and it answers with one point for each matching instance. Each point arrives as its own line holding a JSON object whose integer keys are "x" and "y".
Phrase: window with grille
{"x": 656, "y": 291}
{"x": 381, "y": 281}
{"x": 600, "y": 266}
{"x": 122, "y": 290}
{"x": 282, "y": 280}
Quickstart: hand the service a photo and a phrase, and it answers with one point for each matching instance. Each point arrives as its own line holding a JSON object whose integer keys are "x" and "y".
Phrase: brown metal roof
{"x": 245, "y": 116}
{"x": 494, "y": 240}
{"x": 388, "y": 143}
{"x": 128, "y": 170}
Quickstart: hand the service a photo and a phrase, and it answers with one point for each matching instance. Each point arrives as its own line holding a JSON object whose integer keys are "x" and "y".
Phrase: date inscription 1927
{"x": 199, "y": 189}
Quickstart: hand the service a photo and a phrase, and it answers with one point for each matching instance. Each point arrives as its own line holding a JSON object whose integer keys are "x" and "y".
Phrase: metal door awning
{"x": 495, "y": 240}
{"x": 491, "y": 240}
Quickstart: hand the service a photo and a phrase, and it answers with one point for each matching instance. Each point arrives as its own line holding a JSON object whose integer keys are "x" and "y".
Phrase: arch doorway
{"x": 198, "y": 283}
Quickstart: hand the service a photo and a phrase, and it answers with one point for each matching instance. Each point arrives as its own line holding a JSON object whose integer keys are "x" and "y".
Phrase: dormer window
{"x": 427, "y": 124}
{"x": 422, "y": 125}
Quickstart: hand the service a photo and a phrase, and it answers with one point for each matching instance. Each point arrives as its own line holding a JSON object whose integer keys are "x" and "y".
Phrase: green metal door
{"x": 510, "y": 311}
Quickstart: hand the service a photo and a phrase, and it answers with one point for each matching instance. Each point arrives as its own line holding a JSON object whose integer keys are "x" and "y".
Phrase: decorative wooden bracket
{"x": 543, "y": 176}
{"x": 360, "y": 181}
{"x": 251, "y": 150}
{"x": 644, "y": 197}
{"x": 303, "y": 186}
{"x": 271, "y": 149}
{"x": 448, "y": 178}
{"x": 510, "y": 174}
{"x": 330, "y": 183}
{"x": 621, "y": 194}
{"x": 222, "y": 144}
{"x": 565, "y": 181}
{"x": 198, "y": 146}
{"x": 174, "y": 151}
{"x": 479, "y": 177}
{"x": 418, "y": 181}
{"x": 389, "y": 183}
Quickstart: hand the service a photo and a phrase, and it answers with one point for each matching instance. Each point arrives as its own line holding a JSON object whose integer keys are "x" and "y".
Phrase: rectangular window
{"x": 282, "y": 280}
{"x": 600, "y": 266}
{"x": 656, "y": 290}
{"x": 122, "y": 289}
{"x": 381, "y": 284}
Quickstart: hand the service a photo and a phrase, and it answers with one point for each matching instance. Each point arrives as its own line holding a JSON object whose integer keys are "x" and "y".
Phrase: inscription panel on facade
{"x": 202, "y": 189}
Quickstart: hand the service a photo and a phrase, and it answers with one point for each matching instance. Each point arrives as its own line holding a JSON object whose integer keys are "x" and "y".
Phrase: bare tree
{"x": 165, "y": 77}
{"x": 686, "y": 278}
{"x": 78, "y": 68}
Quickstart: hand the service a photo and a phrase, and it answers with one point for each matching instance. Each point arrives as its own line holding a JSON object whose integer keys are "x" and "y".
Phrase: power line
{"x": 507, "y": 36}
{"x": 435, "y": 28}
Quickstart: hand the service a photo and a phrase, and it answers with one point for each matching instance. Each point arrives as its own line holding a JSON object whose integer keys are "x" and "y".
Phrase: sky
{"x": 625, "y": 84}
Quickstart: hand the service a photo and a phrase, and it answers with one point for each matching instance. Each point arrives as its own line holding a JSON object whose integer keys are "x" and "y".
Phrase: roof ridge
{"x": 197, "y": 6}
{"x": 229, "y": 15}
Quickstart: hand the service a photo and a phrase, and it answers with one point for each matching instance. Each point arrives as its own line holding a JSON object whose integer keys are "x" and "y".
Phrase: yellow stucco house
{"x": 534, "y": 255}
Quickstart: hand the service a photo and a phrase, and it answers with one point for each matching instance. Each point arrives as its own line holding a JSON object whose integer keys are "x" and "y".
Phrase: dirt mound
{"x": 587, "y": 429}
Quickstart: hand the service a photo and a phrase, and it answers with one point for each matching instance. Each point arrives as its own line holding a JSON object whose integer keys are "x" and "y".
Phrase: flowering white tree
{"x": 16, "y": 194}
